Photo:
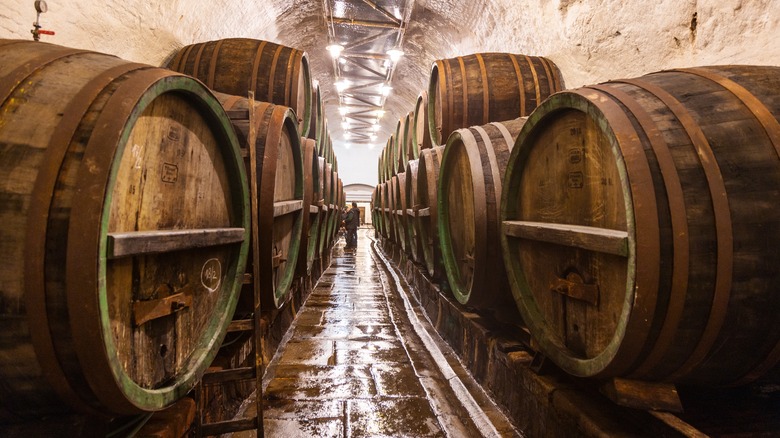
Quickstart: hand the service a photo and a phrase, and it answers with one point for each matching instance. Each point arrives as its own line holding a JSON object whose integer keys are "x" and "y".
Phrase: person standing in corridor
{"x": 351, "y": 223}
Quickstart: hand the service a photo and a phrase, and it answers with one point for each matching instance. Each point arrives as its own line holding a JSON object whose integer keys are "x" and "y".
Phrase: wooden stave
{"x": 123, "y": 92}
{"x": 681, "y": 95}
{"x": 399, "y": 190}
{"x": 487, "y": 150}
{"x": 505, "y": 100}
{"x": 251, "y": 58}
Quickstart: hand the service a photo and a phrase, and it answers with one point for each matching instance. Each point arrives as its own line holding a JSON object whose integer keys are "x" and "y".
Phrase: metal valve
{"x": 40, "y": 7}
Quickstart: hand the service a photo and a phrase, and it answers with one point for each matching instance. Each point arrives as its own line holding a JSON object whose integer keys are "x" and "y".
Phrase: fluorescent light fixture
{"x": 335, "y": 50}
{"x": 395, "y": 54}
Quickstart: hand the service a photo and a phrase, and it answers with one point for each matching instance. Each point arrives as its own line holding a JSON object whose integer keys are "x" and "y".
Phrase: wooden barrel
{"x": 275, "y": 73}
{"x": 278, "y": 190}
{"x": 414, "y": 248}
{"x": 649, "y": 250}
{"x": 125, "y": 227}
{"x": 384, "y": 207}
{"x": 338, "y": 205}
{"x": 399, "y": 148}
{"x": 311, "y": 217}
{"x": 392, "y": 203}
{"x": 327, "y": 210}
{"x": 469, "y": 196}
{"x": 317, "y": 119}
{"x": 426, "y": 221}
{"x": 399, "y": 198}
{"x": 412, "y": 152}
{"x": 486, "y": 87}
{"x": 421, "y": 131}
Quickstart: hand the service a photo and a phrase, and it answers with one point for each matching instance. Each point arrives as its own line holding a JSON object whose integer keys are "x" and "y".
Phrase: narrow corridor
{"x": 359, "y": 362}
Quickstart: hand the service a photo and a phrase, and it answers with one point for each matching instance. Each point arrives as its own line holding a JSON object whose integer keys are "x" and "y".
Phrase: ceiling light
{"x": 385, "y": 89}
{"x": 343, "y": 110}
{"x": 335, "y": 50}
{"x": 375, "y": 128}
{"x": 379, "y": 113}
{"x": 345, "y": 124}
{"x": 347, "y": 134}
{"x": 373, "y": 136}
{"x": 395, "y": 54}
{"x": 371, "y": 145}
{"x": 347, "y": 145}
{"x": 342, "y": 60}
{"x": 342, "y": 85}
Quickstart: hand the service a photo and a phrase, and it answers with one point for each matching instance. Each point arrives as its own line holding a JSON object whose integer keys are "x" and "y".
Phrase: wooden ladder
{"x": 242, "y": 118}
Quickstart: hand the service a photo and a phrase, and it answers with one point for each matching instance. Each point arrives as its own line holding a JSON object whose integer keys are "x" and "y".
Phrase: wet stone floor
{"x": 354, "y": 365}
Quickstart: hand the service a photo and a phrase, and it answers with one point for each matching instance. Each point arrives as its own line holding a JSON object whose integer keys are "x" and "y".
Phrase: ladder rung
{"x": 241, "y": 325}
{"x": 228, "y": 375}
{"x": 228, "y": 426}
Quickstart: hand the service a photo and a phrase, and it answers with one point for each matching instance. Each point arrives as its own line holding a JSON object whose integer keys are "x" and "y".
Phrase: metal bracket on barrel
{"x": 147, "y": 310}
{"x": 573, "y": 286}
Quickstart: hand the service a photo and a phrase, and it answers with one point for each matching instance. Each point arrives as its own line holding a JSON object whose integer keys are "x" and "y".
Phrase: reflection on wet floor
{"x": 353, "y": 367}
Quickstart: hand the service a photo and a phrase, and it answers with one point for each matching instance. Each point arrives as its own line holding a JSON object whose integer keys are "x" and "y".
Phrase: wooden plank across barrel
{"x": 280, "y": 206}
{"x": 126, "y": 231}
{"x": 236, "y": 66}
{"x": 426, "y": 221}
{"x": 469, "y": 195}
{"x": 486, "y": 87}
{"x": 641, "y": 226}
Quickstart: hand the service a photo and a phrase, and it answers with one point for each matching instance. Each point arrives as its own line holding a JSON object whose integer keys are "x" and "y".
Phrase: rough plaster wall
{"x": 590, "y": 40}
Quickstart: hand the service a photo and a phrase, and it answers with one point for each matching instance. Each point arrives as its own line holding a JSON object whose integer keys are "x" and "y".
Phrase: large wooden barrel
{"x": 421, "y": 131}
{"x": 384, "y": 205}
{"x": 399, "y": 198}
{"x": 392, "y": 207}
{"x": 275, "y": 73}
{"x": 317, "y": 119}
{"x": 469, "y": 196}
{"x": 641, "y": 226}
{"x": 399, "y": 148}
{"x": 486, "y": 87}
{"x": 311, "y": 216}
{"x": 414, "y": 248}
{"x": 412, "y": 152}
{"x": 278, "y": 189}
{"x": 125, "y": 231}
{"x": 426, "y": 221}
{"x": 327, "y": 210}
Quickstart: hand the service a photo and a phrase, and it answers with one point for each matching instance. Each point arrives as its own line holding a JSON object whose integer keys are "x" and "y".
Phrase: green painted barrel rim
{"x": 215, "y": 330}
{"x": 524, "y": 298}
